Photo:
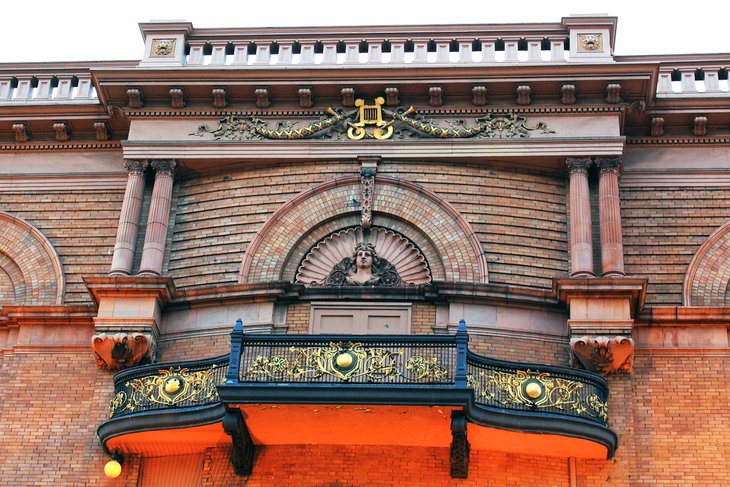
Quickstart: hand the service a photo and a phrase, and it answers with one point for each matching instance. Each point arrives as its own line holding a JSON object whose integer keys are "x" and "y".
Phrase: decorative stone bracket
{"x": 123, "y": 350}
{"x": 602, "y": 312}
{"x": 603, "y": 354}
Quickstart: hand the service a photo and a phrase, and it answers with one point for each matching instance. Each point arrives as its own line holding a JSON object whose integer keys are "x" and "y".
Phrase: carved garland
{"x": 367, "y": 122}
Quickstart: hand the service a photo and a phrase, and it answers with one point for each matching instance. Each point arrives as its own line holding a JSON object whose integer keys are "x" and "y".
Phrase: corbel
{"x": 603, "y": 354}
{"x": 613, "y": 93}
{"x": 699, "y": 126}
{"x": 391, "y": 96}
{"x": 523, "y": 94}
{"x": 435, "y": 96}
{"x": 479, "y": 95}
{"x": 348, "y": 97}
{"x": 63, "y": 132}
{"x": 22, "y": 134}
{"x": 459, "y": 455}
{"x": 135, "y": 98}
{"x": 657, "y": 126}
{"x": 220, "y": 97}
{"x": 262, "y": 97}
{"x": 102, "y": 130}
{"x": 177, "y": 97}
{"x": 243, "y": 447}
{"x": 123, "y": 350}
{"x": 567, "y": 94}
{"x": 306, "y": 97}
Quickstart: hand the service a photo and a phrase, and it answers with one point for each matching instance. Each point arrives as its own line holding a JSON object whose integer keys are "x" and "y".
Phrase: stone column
{"x": 156, "y": 234}
{"x": 129, "y": 219}
{"x": 581, "y": 232}
{"x": 609, "y": 207}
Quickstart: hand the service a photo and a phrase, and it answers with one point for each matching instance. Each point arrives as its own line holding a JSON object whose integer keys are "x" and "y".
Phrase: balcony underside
{"x": 410, "y": 391}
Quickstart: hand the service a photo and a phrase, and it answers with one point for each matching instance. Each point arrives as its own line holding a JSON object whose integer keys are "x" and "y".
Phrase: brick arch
{"x": 30, "y": 262}
{"x": 453, "y": 239}
{"x": 708, "y": 275}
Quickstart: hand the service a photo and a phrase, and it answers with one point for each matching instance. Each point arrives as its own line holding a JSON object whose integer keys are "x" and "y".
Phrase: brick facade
{"x": 237, "y": 150}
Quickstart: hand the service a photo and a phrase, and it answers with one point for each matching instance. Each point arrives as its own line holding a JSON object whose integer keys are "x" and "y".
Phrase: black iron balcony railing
{"x": 376, "y": 360}
{"x": 166, "y": 386}
{"x": 397, "y": 367}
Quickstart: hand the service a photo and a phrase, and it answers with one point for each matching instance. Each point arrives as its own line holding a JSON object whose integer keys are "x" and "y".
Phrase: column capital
{"x": 134, "y": 166}
{"x": 609, "y": 164}
{"x": 164, "y": 166}
{"x": 578, "y": 164}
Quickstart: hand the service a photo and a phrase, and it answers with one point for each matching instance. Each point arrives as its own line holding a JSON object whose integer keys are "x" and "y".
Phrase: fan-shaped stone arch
{"x": 29, "y": 265}
{"x": 277, "y": 249}
{"x": 708, "y": 274}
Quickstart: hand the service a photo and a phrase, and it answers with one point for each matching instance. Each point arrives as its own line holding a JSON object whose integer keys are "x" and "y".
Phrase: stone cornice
{"x": 683, "y": 315}
{"x": 139, "y": 286}
{"x": 610, "y": 146}
{"x": 60, "y": 146}
{"x": 633, "y": 288}
{"x": 678, "y": 140}
{"x": 445, "y": 111}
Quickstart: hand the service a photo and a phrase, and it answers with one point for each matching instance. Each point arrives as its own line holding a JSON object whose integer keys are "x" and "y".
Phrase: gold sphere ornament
{"x": 533, "y": 390}
{"x": 112, "y": 469}
{"x": 172, "y": 385}
{"x": 344, "y": 360}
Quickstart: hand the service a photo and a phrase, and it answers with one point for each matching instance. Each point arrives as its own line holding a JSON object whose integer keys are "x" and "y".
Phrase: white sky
{"x": 84, "y": 30}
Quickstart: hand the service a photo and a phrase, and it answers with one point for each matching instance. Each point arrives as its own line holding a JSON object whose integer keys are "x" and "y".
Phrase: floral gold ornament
{"x": 345, "y": 362}
{"x": 168, "y": 387}
{"x": 536, "y": 390}
{"x": 357, "y": 124}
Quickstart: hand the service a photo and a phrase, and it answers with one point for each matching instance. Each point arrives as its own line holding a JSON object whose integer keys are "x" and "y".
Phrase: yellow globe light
{"x": 113, "y": 469}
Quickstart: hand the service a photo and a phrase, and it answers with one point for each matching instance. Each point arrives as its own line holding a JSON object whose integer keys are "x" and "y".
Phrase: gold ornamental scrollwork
{"x": 536, "y": 390}
{"x": 169, "y": 387}
{"x": 345, "y": 362}
{"x": 372, "y": 121}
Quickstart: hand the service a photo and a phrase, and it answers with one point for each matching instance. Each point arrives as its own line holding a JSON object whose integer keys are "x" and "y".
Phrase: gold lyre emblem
{"x": 370, "y": 115}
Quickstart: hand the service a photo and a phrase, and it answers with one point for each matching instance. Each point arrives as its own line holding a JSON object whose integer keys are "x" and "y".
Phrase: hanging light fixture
{"x": 113, "y": 467}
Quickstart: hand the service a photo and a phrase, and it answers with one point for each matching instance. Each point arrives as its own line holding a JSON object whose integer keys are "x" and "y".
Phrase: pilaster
{"x": 609, "y": 207}
{"x": 581, "y": 232}
{"x": 128, "y": 228}
{"x": 157, "y": 222}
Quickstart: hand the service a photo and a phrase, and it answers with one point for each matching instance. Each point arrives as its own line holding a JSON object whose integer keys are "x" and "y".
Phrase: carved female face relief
{"x": 364, "y": 259}
{"x": 353, "y": 258}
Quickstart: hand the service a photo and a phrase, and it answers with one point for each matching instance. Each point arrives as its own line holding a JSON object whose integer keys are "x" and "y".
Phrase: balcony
{"x": 370, "y": 390}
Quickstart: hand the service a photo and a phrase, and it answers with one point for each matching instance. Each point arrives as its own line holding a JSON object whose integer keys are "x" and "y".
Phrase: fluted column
{"x": 581, "y": 232}
{"x": 123, "y": 257}
{"x": 609, "y": 207}
{"x": 156, "y": 233}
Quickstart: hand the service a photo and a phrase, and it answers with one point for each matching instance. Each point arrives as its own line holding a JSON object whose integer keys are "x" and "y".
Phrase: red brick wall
{"x": 81, "y": 226}
{"x": 218, "y": 215}
{"x": 301, "y": 465}
{"x": 193, "y": 348}
{"x": 663, "y": 228}
{"x": 671, "y": 417}
{"x": 519, "y": 217}
{"x": 52, "y": 404}
{"x": 297, "y": 318}
{"x": 520, "y": 349}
